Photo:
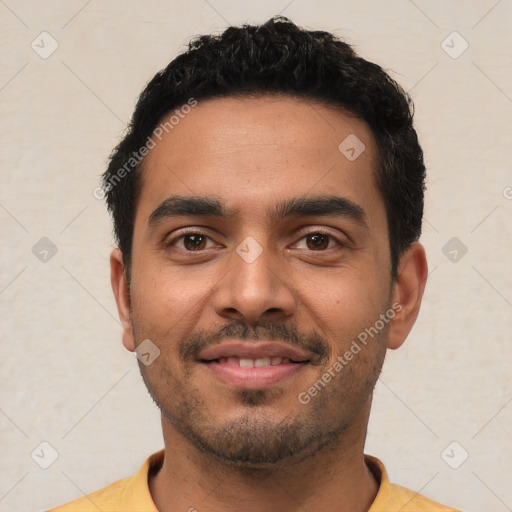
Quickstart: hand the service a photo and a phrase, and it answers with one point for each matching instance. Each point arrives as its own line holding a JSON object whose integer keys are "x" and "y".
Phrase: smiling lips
{"x": 253, "y": 365}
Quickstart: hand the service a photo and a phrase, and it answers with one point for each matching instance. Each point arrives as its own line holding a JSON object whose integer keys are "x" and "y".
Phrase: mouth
{"x": 253, "y": 365}
{"x": 245, "y": 362}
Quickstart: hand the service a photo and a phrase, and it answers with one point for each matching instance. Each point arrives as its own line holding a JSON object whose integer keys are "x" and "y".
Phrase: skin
{"x": 253, "y": 450}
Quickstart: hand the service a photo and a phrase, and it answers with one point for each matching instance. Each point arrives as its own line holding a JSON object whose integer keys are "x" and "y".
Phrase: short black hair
{"x": 280, "y": 58}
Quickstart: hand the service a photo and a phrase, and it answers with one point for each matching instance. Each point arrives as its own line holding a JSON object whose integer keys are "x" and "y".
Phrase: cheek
{"x": 166, "y": 302}
{"x": 345, "y": 302}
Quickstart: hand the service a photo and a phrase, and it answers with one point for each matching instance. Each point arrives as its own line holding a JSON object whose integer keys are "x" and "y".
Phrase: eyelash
{"x": 170, "y": 244}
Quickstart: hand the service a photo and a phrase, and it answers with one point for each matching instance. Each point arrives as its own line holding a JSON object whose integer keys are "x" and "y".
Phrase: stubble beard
{"x": 256, "y": 440}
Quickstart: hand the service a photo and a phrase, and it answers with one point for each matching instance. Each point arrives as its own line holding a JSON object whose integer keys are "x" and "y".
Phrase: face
{"x": 260, "y": 254}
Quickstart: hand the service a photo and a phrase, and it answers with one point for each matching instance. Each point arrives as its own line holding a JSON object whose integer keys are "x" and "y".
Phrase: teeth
{"x": 264, "y": 361}
{"x": 253, "y": 363}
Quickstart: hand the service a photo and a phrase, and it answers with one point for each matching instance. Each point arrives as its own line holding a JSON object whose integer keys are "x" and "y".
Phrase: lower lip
{"x": 253, "y": 378}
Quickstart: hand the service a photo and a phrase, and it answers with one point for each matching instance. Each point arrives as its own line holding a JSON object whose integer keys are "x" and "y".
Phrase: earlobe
{"x": 408, "y": 292}
{"x": 122, "y": 296}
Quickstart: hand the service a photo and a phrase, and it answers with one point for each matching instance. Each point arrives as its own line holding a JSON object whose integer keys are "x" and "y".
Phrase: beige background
{"x": 67, "y": 381}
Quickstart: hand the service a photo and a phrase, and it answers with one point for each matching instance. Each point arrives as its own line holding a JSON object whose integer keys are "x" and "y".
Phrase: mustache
{"x": 311, "y": 342}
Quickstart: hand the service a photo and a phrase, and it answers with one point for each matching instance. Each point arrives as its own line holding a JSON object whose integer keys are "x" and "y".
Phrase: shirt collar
{"x": 137, "y": 489}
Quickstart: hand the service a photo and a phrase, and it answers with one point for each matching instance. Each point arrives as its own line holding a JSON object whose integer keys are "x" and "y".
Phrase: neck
{"x": 335, "y": 477}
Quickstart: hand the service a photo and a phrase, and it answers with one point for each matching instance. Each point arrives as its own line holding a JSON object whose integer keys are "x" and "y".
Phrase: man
{"x": 267, "y": 202}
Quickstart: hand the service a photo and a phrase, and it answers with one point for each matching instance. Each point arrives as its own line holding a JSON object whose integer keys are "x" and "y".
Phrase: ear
{"x": 407, "y": 292}
{"x": 122, "y": 296}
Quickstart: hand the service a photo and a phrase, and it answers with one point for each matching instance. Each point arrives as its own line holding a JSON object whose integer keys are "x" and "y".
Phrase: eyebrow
{"x": 303, "y": 206}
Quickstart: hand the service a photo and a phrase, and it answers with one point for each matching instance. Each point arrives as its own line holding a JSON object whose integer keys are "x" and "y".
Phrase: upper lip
{"x": 254, "y": 350}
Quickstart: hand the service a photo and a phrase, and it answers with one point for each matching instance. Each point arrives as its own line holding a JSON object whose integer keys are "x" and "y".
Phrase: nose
{"x": 254, "y": 290}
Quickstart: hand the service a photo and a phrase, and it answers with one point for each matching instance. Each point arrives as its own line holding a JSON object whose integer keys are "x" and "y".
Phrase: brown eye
{"x": 317, "y": 241}
{"x": 194, "y": 242}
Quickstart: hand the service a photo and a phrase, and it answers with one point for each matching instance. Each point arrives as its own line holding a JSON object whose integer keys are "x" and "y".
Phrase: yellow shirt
{"x": 132, "y": 494}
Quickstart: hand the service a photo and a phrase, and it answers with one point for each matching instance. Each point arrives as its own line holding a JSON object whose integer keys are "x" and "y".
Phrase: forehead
{"x": 254, "y": 152}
